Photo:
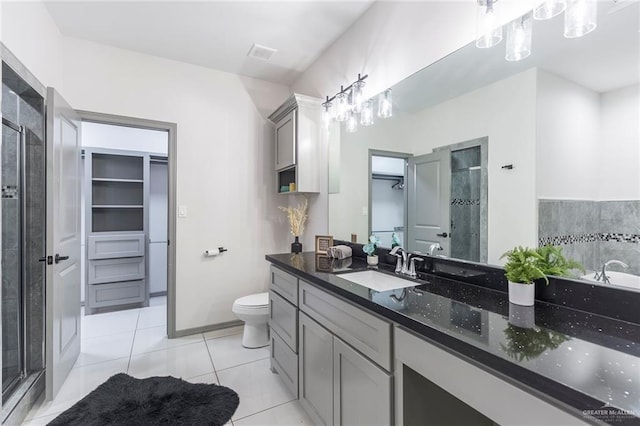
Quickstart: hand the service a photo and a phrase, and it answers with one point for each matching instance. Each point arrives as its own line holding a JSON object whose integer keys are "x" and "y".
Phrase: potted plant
{"x": 370, "y": 249}
{"x": 297, "y": 217}
{"x": 522, "y": 269}
{"x": 553, "y": 262}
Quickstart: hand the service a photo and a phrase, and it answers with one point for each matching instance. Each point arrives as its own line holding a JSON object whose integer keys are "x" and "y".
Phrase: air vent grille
{"x": 263, "y": 53}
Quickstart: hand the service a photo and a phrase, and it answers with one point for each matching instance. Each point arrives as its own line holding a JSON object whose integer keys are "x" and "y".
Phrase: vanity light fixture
{"x": 385, "y": 104}
{"x": 357, "y": 95}
{"x": 548, "y": 9}
{"x": 519, "y": 38}
{"x": 327, "y": 112}
{"x": 351, "y": 126}
{"x": 489, "y": 30}
{"x": 342, "y": 105}
{"x": 366, "y": 115}
{"x": 580, "y": 18}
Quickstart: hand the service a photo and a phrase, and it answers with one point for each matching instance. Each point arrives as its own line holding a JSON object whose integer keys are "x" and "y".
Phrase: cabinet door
{"x": 286, "y": 141}
{"x": 315, "y": 359}
{"x": 361, "y": 390}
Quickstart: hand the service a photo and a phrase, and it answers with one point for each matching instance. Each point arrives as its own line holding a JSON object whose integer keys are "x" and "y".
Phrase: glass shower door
{"x": 12, "y": 276}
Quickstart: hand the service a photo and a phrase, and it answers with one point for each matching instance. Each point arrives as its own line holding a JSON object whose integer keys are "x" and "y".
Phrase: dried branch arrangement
{"x": 297, "y": 217}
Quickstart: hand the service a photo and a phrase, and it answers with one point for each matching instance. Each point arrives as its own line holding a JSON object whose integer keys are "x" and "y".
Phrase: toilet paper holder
{"x": 214, "y": 252}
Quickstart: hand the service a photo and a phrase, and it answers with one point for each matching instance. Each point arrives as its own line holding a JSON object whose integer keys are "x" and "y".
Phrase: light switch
{"x": 365, "y": 210}
{"x": 182, "y": 211}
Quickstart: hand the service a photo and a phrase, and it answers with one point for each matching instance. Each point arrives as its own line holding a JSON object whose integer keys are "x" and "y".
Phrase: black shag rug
{"x": 125, "y": 400}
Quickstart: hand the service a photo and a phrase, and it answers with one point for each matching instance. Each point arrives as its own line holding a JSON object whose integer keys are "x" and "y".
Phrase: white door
{"x": 428, "y": 204}
{"x": 63, "y": 241}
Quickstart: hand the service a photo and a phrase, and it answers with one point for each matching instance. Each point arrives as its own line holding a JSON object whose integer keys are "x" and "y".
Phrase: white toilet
{"x": 254, "y": 311}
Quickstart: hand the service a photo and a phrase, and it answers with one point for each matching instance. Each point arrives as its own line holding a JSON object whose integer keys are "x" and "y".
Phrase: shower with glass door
{"x": 23, "y": 207}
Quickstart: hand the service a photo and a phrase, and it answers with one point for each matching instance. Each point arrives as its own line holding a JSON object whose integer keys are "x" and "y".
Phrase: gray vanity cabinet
{"x": 361, "y": 390}
{"x": 316, "y": 370}
{"x": 283, "y": 323}
{"x": 298, "y": 135}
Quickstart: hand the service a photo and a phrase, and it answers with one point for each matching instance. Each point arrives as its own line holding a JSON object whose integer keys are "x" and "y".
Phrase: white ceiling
{"x": 215, "y": 34}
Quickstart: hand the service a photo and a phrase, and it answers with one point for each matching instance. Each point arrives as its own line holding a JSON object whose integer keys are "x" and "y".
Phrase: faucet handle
{"x": 412, "y": 267}
{"x": 398, "y": 263}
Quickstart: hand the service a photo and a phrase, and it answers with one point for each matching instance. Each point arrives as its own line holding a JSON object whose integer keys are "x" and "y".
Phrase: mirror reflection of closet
{"x": 387, "y": 196}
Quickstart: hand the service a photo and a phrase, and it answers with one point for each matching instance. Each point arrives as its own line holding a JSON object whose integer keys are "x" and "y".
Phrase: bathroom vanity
{"x": 448, "y": 348}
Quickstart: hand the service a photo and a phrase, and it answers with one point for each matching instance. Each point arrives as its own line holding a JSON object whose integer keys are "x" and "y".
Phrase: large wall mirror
{"x": 499, "y": 154}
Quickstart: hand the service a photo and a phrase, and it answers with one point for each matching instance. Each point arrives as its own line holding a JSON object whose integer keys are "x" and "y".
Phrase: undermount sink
{"x": 618, "y": 278}
{"x": 377, "y": 281}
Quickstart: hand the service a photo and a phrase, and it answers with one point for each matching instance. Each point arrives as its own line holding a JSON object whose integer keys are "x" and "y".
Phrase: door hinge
{"x": 48, "y": 259}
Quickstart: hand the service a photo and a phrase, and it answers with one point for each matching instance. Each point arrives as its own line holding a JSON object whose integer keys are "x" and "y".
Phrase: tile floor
{"x": 134, "y": 342}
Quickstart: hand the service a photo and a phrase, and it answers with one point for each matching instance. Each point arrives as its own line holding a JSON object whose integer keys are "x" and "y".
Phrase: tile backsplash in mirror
{"x": 592, "y": 232}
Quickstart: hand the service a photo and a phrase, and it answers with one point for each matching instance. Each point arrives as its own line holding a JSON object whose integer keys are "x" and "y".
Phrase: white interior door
{"x": 428, "y": 202}
{"x": 63, "y": 241}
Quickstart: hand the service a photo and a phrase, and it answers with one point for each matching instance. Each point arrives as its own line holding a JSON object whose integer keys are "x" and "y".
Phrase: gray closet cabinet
{"x": 116, "y": 224}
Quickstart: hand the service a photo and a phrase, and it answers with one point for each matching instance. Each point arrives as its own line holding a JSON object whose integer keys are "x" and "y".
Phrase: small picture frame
{"x": 323, "y": 242}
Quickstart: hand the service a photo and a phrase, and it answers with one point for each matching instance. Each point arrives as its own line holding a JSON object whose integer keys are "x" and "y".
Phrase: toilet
{"x": 254, "y": 311}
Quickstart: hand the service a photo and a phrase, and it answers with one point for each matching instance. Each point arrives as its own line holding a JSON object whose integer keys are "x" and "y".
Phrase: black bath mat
{"x": 125, "y": 400}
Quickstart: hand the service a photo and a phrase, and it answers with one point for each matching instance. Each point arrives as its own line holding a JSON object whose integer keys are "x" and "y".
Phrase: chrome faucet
{"x": 406, "y": 264}
{"x": 433, "y": 247}
{"x": 603, "y": 274}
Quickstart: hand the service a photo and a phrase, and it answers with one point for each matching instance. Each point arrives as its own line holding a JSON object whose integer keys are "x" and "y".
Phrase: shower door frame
{"x": 22, "y": 209}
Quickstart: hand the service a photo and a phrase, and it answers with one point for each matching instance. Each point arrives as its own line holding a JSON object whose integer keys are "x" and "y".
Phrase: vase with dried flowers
{"x": 297, "y": 217}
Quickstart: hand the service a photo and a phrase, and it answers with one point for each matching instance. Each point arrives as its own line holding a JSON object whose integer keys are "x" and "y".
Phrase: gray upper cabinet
{"x": 286, "y": 141}
{"x": 298, "y": 136}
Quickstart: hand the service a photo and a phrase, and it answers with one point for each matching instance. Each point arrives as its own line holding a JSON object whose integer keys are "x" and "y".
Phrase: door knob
{"x": 444, "y": 234}
{"x": 59, "y": 258}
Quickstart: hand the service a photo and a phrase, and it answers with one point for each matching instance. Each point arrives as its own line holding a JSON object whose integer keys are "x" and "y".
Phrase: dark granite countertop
{"x": 571, "y": 358}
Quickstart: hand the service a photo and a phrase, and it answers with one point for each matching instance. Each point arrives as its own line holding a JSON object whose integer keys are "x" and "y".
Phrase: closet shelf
{"x": 117, "y": 206}
{"x": 117, "y": 180}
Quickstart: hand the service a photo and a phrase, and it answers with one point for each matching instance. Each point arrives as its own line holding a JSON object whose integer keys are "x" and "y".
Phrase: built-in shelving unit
{"x": 117, "y": 194}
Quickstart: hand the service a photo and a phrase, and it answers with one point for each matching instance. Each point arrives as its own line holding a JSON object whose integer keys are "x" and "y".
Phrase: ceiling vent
{"x": 263, "y": 53}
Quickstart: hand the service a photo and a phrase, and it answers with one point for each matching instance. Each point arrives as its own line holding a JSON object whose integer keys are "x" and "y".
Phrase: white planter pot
{"x": 372, "y": 260}
{"x": 522, "y": 294}
{"x": 522, "y": 316}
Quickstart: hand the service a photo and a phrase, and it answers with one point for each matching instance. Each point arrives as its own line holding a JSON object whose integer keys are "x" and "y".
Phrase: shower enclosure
{"x": 23, "y": 217}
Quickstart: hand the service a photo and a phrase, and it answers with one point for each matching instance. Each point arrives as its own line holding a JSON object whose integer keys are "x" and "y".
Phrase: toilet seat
{"x": 253, "y": 301}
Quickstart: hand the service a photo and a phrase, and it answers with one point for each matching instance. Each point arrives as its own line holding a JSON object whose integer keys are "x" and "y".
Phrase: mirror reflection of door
{"x": 446, "y": 201}
{"x": 428, "y": 194}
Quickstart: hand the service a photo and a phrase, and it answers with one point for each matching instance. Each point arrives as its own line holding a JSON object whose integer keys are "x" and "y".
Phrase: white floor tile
{"x": 182, "y": 361}
{"x": 223, "y": 332}
{"x": 209, "y": 378}
{"x": 105, "y": 348}
{"x": 228, "y": 352}
{"x": 158, "y": 301}
{"x": 40, "y": 421}
{"x": 155, "y": 338}
{"x": 110, "y": 323}
{"x": 79, "y": 383}
{"x": 258, "y": 388}
{"x": 287, "y": 414}
{"x": 152, "y": 317}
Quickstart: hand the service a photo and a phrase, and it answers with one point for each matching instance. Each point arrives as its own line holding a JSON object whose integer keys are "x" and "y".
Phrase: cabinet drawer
{"x": 111, "y": 270}
{"x": 101, "y": 295}
{"x": 366, "y": 332}
{"x": 284, "y": 362}
{"x": 285, "y": 284}
{"x": 120, "y": 245}
{"x": 283, "y": 318}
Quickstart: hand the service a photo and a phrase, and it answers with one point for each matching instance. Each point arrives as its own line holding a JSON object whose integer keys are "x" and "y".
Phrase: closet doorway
{"x": 126, "y": 224}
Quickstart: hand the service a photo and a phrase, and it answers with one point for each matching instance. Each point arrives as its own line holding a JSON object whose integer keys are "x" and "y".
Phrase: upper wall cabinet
{"x": 298, "y": 132}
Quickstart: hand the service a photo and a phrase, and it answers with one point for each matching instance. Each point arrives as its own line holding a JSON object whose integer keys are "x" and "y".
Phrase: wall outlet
{"x": 182, "y": 211}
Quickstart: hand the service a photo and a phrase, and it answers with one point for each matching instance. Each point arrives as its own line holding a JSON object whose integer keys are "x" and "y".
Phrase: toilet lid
{"x": 254, "y": 300}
